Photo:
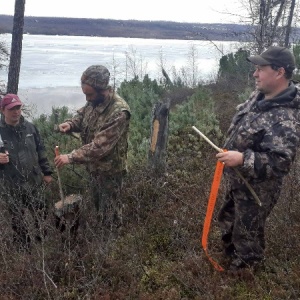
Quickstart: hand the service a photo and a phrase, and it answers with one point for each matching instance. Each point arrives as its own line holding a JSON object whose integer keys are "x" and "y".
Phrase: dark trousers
{"x": 106, "y": 193}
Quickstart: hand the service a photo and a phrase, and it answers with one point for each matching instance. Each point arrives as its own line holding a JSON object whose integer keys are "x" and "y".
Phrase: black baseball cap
{"x": 275, "y": 55}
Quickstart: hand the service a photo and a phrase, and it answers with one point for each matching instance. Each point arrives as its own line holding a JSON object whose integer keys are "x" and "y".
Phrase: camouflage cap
{"x": 96, "y": 76}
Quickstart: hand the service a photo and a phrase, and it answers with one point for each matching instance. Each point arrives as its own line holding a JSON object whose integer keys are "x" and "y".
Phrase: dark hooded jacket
{"x": 27, "y": 159}
{"x": 268, "y": 134}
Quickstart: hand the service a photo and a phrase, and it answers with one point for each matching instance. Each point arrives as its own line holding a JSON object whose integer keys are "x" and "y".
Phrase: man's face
{"x": 266, "y": 79}
{"x": 91, "y": 95}
{"x": 12, "y": 116}
{"x": 90, "y": 92}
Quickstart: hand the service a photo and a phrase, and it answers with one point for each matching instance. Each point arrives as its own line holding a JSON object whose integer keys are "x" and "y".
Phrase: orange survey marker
{"x": 213, "y": 197}
{"x": 212, "y": 200}
{"x": 210, "y": 209}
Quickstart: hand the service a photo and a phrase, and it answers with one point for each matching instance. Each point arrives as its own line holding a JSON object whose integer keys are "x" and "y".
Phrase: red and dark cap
{"x": 277, "y": 56}
{"x": 10, "y": 100}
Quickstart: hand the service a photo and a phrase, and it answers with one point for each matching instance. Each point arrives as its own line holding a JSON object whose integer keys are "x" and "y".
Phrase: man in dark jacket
{"x": 23, "y": 168}
{"x": 103, "y": 124}
{"x": 262, "y": 141}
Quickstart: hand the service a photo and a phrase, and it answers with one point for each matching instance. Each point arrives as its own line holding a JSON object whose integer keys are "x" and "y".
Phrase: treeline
{"x": 128, "y": 28}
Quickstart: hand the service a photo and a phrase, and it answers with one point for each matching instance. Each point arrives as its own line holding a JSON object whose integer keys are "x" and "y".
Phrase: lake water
{"x": 52, "y": 65}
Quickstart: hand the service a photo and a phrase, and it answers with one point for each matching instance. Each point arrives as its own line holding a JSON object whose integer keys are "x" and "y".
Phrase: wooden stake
{"x": 62, "y": 197}
{"x": 236, "y": 171}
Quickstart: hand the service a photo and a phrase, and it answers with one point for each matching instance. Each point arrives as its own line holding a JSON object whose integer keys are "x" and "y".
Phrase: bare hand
{"x": 64, "y": 127}
{"x": 47, "y": 179}
{"x": 231, "y": 158}
{"x": 4, "y": 158}
{"x": 61, "y": 160}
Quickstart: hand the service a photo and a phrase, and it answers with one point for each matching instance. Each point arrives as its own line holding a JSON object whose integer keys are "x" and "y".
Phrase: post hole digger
{"x": 67, "y": 208}
{"x": 213, "y": 197}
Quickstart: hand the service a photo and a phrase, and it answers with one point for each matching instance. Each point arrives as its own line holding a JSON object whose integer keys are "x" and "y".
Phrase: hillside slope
{"x": 128, "y": 28}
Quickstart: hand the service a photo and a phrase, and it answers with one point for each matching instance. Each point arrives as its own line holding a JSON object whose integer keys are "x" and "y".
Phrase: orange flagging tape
{"x": 209, "y": 212}
{"x": 56, "y": 150}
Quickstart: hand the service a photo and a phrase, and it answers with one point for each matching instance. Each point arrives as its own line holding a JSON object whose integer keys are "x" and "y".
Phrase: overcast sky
{"x": 198, "y": 11}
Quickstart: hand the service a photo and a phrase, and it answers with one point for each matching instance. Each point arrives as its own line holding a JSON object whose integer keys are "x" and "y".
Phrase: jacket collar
{"x": 287, "y": 98}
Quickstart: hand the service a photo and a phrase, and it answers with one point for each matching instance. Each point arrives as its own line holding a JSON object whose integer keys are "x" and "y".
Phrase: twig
{"x": 236, "y": 171}
{"x": 45, "y": 274}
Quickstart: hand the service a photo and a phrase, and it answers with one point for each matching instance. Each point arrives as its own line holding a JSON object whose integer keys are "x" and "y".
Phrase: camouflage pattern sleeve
{"x": 76, "y": 121}
{"x": 104, "y": 140}
{"x": 277, "y": 152}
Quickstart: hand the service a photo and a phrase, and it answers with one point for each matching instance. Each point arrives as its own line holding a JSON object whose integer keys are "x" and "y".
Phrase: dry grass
{"x": 157, "y": 253}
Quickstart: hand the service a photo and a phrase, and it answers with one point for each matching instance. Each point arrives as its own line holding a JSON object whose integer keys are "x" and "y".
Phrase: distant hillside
{"x": 128, "y": 28}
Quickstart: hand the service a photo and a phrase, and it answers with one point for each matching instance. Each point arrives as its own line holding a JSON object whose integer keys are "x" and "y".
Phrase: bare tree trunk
{"x": 159, "y": 137}
{"x": 272, "y": 22}
{"x": 289, "y": 24}
{"x": 261, "y": 25}
{"x": 16, "y": 47}
{"x": 275, "y": 25}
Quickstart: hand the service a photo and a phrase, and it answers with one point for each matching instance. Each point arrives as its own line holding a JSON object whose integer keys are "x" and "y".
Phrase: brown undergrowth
{"x": 157, "y": 253}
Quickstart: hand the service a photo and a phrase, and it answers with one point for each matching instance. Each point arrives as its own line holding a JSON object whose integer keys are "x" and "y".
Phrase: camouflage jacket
{"x": 27, "y": 157}
{"x": 104, "y": 133}
{"x": 268, "y": 133}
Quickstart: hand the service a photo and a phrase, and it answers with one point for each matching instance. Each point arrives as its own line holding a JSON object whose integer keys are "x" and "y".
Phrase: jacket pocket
{"x": 37, "y": 176}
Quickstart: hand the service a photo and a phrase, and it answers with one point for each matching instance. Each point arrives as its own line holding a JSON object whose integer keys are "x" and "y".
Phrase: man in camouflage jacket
{"x": 261, "y": 142}
{"x": 24, "y": 168}
{"x": 103, "y": 124}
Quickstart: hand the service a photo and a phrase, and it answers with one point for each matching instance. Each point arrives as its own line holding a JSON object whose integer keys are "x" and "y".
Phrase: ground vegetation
{"x": 157, "y": 253}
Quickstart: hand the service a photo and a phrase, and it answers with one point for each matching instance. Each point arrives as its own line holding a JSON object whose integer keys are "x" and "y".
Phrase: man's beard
{"x": 100, "y": 99}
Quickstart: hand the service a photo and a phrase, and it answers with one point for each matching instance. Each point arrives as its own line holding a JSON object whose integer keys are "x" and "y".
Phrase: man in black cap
{"x": 261, "y": 142}
{"x": 103, "y": 124}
